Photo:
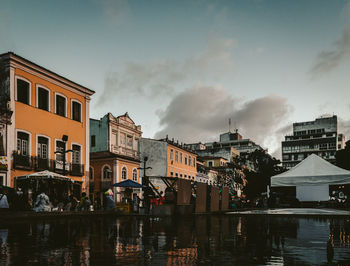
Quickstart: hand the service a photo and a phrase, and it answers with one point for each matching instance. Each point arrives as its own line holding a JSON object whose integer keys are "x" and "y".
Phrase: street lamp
{"x": 63, "y": 152}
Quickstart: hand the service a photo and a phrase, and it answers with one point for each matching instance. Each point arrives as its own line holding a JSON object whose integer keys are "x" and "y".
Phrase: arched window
{"x": 124, "y": 173}
{"x": 91, "y": 173}
{"x": 107, "y": 172}
{"x": 134, "y": 175}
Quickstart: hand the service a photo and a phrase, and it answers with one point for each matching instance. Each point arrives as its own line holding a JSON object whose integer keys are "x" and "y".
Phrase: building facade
{"x": 50, "y": 113}
{"x": 168, "y": 159}
{"x": 114, "y": 153}
{"x": 320, "y": 137}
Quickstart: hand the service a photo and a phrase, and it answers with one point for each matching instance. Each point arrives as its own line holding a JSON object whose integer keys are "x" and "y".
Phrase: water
{"x": 201, "y": 240}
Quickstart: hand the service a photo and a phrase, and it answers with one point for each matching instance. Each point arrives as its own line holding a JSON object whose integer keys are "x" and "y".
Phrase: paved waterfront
{"x": 297, "y": 211}
{"x": 197, "y": 240}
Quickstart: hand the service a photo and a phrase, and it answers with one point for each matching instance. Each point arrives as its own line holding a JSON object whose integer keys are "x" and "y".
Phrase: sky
{"x": 184, "y": 68}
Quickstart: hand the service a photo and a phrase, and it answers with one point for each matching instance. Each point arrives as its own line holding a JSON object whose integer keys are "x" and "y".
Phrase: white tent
{"x": 46, "y": 175}
{"x": 312, "y": 178}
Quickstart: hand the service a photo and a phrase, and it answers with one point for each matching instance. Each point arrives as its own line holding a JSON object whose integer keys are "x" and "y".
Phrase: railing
{"x": 41, "y": 164}
{"x": 125, "y": 151}
{"x": 22, "y": 162}
{"x": 77, "y": 169}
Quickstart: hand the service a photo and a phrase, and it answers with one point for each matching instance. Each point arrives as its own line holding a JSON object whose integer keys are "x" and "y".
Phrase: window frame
{"x": 37, "y": 86}
{"x": 30, "y": 89}
{"x": 64, "y": 96}
{"x": 91, "y": 173}
{"x": 81, "y": 109}
{"x": 29, "y": 141}
{"x": 126, "y": 173}
{"x": 102, "y": 172}
{"x": 81, "y": 152}
{"x": 133, "y": 172}
{"x": 56, "y": 149}
{"x": 48, "y": 145}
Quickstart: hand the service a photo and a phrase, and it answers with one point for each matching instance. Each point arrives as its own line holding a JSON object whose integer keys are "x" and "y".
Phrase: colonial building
{"x": 168, "y": 159}
{"x": 50, "y": 114}
{"x": 319, "y": 136}
{"x": 114, "y": 152}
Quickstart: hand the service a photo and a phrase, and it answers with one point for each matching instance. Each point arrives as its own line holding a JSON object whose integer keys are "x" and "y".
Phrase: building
{"x": 168, "y": 159}
{"x": 114, "y": 153}
{"x": 214, "y": 161}
{"x": 320, "y": 137}
{"x": 50, "y": 113}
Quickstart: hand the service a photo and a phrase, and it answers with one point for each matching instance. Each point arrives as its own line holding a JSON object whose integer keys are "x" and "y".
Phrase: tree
{"x": 343, "y": 157}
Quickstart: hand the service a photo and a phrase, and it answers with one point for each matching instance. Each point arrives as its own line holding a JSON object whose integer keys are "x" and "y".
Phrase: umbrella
{"x": 128, "y": 183}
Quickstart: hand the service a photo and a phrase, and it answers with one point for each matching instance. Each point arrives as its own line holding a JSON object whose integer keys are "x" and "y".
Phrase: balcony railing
{"x": 41, "y": 164}
{"x": 125, "y": 151}
{"x": 77, "y": 169}
{"x": 22, "y": 161}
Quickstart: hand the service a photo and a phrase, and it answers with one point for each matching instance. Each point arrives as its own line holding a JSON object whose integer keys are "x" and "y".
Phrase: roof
{"x": 45, "y": 174}
{"x": 13, "y": 56}
{"x": 312, "y": 171}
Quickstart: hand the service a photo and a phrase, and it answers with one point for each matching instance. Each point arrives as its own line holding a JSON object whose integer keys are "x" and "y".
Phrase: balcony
{"x": 77, "y": 169}
{"x": 22, "y": 162}
{"x": 41, "y": 164}
{"x": 58, "y": 167}
{"x": 125, "y": 151}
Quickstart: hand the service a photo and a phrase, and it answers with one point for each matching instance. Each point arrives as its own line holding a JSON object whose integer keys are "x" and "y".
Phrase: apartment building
{"x": 50, "y": 115}
{"x": 168, "y": 158}
{"x": 320, "y": 137}
{"x": 114, "y": 152}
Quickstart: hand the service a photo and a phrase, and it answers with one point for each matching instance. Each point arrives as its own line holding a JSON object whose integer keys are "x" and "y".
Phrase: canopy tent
{"x": 312, "y": 178}
{"x": 128, "y": 184}
{"x": 44, "y": 175}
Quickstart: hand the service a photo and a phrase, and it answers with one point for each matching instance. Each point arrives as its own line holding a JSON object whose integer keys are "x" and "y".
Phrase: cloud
{"x": 344, "y": 127}
{"x": 115, "y": 11}
{"x": 328, "y": 60}
{"x": 160, "y": 78}
{"x": 202, "y": 113}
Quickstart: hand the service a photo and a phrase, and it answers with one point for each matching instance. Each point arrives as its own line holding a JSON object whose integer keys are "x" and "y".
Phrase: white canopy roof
{"x": 312, "y": 171}
{"x": 44, "y": 174}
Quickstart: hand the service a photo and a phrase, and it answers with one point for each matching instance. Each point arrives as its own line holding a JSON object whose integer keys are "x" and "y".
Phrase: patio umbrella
{"x": 128, "y": 183}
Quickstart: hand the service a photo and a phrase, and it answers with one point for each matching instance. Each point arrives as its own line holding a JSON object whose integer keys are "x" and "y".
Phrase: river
{"x": 196, "y": 240}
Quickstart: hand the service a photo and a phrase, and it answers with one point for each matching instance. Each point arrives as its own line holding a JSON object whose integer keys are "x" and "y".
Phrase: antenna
{"x": 229, "y": 125}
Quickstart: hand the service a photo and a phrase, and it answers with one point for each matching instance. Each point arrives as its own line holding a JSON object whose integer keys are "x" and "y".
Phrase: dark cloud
{"x": 326, "y": 61}
{"x": 202, "y": 113}
{"x": 160, "y": 78}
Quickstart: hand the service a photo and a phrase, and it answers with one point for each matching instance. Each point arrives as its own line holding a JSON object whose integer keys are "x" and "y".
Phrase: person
{"x": 110, "y": 204}
{"x": 87, "y": 204}
{"x": 4, "y": 205}
{"x": 82, "y": 202}
{"x": 42, "y": 203}
{"x": 136, "y": 203}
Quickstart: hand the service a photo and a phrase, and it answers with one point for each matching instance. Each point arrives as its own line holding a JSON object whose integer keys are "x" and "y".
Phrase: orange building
{"x": 168, "y": 159}
{"x": 50, "y": 114}
{"x": 114, "y": 153}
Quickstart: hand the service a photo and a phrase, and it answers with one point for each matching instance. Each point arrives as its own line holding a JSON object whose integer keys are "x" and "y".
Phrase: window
{"x": 23, "y": 91}
{"x": 186, "y": 159}
{"x": 93, "y": 141}
{"x": 43, "y": 99}
{"x": 171, "y": 155}
{"x": 129, "y": 141}
{"x": 122, "y": 139}
{"x": 91, "y": 173}
{"x": 323, "y": 146}
{"x": 180, "y": 157}
{"x": 176, "y": 174}
{"x": 43, "y": 147}
{"x": 176, "y": 156}
{"x": 185, "y": 176}
{"x": 107, "y": 172}
{"x": 60, "y": 105}
{"x": 134, "y": 175}
{"x": 171, "y": 174}
{"x": 23, "y": 143}
{"x": 60, "y": 146}
{"x": 194, "y": 161}
{"x": 124, "y": 173}
{"x": 189, "y": 160}
{"x": 76, "y": 154}
{"x": 210, "y": 164}
{"x": 76, "y": 111}
{"x": 181, "y": 175}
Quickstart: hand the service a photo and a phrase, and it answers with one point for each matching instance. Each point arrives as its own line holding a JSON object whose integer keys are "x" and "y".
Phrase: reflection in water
{"x": 218, "y": 240}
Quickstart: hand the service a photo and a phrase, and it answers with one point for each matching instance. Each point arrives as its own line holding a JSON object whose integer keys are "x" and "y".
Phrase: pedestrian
{"x": 110, "y": 204}
{"x": 42, "y": 203}
{"x": 4, "y": 205}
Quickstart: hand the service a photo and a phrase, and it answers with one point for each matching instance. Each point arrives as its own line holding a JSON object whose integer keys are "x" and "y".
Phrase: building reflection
{"x": 194, "y": 240}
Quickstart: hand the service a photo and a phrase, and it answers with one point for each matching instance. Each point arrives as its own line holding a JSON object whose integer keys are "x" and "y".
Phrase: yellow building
{"x": 213, "y": 161}
{"x": 50, "y": 114}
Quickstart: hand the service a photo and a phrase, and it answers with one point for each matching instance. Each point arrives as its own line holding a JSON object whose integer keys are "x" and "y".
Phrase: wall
{"x": 180, "y": 167}
{"x": 99, "y": 128}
